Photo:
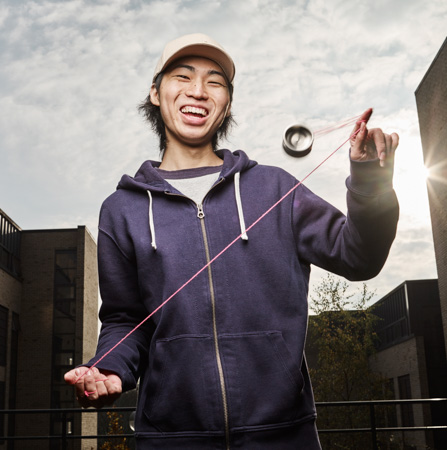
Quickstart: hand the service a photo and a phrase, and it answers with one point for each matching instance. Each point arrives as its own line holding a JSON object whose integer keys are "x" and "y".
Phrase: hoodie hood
{"x": 149, "y": 180}
{"x": 147, "y": 177}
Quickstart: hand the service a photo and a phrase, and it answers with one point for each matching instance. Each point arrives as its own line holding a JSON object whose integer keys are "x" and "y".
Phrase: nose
{"x": 197, "y": 90}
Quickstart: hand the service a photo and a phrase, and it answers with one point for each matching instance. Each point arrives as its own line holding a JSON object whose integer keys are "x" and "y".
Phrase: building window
{"x": 3, "y": 334}
{"x": 64, "y": 332}
{"x": 15, "y": 328}
{"x": 3, "y": 350}
{"x": 64, "y": 325}
{"x": 406, "y": 408}
{"x": 387, "y": 414}
{"x": 2, "y": 406}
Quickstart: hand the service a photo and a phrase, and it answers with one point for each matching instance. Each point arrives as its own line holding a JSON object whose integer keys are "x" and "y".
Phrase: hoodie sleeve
{"x": 354, "y": 246}
{"x": 121, "y": 310}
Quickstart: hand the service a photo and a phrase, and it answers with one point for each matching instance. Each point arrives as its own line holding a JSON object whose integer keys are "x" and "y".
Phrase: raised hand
{"x": 372, "y": 144}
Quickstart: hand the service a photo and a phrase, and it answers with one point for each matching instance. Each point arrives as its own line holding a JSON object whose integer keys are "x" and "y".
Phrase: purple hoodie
{"x": 221, "y": 365}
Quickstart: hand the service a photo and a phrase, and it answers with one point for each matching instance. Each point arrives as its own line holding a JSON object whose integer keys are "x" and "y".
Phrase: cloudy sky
{"x": 73, "y": 72}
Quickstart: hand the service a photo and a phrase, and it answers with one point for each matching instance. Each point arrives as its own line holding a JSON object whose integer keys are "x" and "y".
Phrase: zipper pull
{"x": 200, "y": 213}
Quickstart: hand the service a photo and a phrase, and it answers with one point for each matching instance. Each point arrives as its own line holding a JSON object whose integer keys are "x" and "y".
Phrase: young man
{"x": 221, "y": 365}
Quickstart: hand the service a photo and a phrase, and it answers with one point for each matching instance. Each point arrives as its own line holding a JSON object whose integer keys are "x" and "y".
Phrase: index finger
{"x": 70, "y": 377}
{"x": 363, "y": 118}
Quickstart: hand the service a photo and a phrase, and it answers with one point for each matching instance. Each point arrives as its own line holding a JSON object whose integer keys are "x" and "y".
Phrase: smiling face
{"x": 194, "y": 100}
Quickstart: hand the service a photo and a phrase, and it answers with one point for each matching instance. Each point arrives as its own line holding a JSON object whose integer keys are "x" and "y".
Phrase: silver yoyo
{"x": 297, "y": 140}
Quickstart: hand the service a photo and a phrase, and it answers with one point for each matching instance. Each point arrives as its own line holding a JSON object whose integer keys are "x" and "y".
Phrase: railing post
{"x": 373, "y": 426}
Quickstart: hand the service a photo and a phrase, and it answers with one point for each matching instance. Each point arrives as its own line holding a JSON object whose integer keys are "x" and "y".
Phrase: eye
{"x": 181, "y": 76}
{"x": 216, "y": 83}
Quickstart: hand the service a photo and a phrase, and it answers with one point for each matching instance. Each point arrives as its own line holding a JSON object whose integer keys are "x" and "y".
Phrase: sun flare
{"x": 410, "y": 183}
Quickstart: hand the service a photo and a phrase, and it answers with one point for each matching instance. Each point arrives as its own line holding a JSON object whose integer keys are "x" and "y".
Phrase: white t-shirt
{"x": 193, "y": 183}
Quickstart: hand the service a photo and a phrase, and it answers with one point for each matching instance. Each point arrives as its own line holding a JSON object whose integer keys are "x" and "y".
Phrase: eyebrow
{"x": 193, "y": 69}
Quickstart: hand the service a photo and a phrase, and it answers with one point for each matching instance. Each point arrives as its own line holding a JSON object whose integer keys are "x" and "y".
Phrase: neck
{"x": 185, "y": 157}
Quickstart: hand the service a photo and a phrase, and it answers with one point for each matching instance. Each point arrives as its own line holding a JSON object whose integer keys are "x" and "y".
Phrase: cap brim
{"x": 205, "y": 51}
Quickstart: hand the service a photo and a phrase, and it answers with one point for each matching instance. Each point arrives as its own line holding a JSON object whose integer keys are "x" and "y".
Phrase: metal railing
{"x": 373, "y": 429}
{"x": 64, "y": 415}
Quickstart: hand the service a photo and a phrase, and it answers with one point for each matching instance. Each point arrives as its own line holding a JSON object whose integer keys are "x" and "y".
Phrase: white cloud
{"x": 73, "y": 72}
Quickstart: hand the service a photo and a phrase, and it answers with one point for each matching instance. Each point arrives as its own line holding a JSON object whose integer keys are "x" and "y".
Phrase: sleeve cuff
{"x": 369, "y": 179}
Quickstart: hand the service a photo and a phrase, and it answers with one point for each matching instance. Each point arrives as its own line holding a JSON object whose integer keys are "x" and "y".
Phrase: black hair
{"x": 152, "y": 114}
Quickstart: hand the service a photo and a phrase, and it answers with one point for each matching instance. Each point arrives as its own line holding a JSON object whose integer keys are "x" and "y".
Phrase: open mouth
{"x": 194, "y": 111}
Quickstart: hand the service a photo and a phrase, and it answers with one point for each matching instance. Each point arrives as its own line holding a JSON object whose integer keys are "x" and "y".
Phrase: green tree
{"x": 115, "y": 428}
{"x": 342, "y": 336}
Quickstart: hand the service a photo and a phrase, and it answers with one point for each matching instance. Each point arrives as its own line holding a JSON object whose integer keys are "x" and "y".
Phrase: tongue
{"x": 193, "y": 114}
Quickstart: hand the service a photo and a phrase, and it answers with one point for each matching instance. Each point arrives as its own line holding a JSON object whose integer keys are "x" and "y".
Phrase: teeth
{"x": 194, "y": 110}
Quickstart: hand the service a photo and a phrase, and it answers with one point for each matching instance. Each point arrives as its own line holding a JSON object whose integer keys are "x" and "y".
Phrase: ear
{"x": 154, "y": 96}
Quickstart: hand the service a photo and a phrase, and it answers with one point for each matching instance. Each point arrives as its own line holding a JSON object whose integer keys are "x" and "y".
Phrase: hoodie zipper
{"x": 201, "y": 216}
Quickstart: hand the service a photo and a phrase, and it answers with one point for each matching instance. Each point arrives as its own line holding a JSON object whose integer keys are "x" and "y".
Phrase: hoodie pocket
{"x": 264, "y": 380}
{"x": 181, "y": 392}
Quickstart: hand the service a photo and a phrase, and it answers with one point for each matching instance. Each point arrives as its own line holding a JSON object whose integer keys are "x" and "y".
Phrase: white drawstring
{"x": 240, "y": 212}
{"x": 151, "y": 221}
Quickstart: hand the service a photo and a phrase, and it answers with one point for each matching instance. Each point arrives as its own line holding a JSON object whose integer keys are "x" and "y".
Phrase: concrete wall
{"x": 431, "y": 99}
{"x": 407, "y": 358}
{"x": 87, "y": 286}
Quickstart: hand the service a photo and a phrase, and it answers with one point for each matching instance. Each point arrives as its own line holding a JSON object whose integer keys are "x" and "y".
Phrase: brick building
{"x": 431, "y": 100}
{"x": 411, "y": 354}
{"x": 48, "y": 324}
{"x": 411, "y": 358}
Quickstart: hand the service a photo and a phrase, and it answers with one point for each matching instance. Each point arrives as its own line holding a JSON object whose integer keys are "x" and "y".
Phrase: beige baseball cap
{"x": 196, "y": 44}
